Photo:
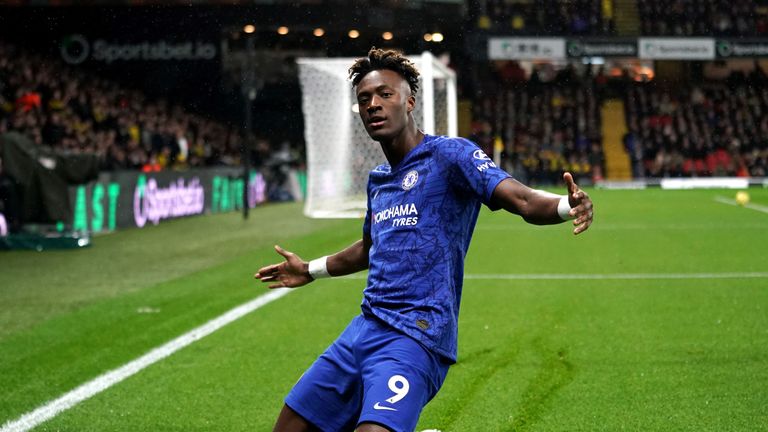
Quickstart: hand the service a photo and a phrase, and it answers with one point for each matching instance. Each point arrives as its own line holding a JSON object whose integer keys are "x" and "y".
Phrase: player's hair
{"x": 379, "y": 59}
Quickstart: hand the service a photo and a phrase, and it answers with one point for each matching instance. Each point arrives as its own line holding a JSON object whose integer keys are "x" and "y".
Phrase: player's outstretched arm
{"x": 541, "y": 207}
{"x": 294, "y": 272}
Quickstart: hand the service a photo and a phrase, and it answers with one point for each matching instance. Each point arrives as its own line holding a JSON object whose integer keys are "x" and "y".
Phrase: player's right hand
{"x": 291, "y": 273}
{"x": 581, "y": 205}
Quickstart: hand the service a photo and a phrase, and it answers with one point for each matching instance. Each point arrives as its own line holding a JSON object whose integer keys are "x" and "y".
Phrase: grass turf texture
{"x": 538, "y": 355}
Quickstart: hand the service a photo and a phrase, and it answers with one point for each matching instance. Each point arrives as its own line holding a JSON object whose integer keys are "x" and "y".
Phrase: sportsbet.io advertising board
{"x": 131, "y": 199}
{"x": 76, "y": 49}
{"x": 669, "y": 48}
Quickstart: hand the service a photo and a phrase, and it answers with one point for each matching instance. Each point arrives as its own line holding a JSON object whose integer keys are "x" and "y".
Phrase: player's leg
{"x": 399, "y": 377}
{"x": 371, "y": 427}
{"x": 327, "y": 396}
{"x": 290, "y": 421}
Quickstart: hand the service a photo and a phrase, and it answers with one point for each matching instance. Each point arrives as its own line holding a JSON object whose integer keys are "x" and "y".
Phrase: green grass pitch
{"x": 663, "y": 327}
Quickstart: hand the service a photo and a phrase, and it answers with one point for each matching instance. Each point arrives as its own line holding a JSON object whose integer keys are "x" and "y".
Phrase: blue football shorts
{"x": 370, "y": 374}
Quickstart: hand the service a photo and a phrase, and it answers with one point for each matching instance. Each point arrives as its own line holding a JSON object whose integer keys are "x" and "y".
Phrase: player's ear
{"x": 411, "y": 102}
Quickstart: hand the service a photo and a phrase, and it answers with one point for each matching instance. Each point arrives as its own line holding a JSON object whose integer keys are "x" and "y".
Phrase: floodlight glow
{"x": 319, "y": 32}
{"x": 437, "y": 37}
{"x": 387, "y": 36}
{"x": 353, "y": 34}
{"x": 282, "y": 30}
{"x": 428, "y": 37}
{"x": 250, "y": 28}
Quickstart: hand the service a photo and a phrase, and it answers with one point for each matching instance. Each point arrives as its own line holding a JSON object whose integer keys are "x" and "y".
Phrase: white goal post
{"x": 339, "y": 151}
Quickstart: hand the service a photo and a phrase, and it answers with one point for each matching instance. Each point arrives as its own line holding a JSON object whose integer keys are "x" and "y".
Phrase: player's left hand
{"x": 291, "y": 273}
{"x": 581, "y": 205}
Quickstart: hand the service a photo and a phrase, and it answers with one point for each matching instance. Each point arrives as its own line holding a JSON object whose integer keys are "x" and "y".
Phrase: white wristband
{"x": 318, "y": 268}
{"x": 563, "y": 207}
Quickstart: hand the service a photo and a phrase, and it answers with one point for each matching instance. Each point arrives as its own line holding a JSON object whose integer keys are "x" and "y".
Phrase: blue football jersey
{"x": 420, "y": 216}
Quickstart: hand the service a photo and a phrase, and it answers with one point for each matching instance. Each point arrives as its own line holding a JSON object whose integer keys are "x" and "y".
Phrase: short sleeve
{"x": 471, "y": 169}
{"x": 367, "y": 222}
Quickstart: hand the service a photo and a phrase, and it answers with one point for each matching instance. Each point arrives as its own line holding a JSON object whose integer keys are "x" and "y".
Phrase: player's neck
{"x": 396, "y": 149}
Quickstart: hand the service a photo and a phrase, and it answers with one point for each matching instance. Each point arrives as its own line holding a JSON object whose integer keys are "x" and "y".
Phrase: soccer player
{"x": 422, "y": 208}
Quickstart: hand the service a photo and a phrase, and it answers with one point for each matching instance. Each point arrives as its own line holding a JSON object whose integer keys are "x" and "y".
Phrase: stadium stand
{"x": 711, "y": 129}
{"x": 73, "y": 110}
{"x": 550, "y": 17}
{"x": 546, "y": 122}
{"x": 703, "y": 18}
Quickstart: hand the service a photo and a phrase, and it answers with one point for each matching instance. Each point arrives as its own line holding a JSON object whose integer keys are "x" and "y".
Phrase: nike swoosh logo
{"x": 379, "y": 407}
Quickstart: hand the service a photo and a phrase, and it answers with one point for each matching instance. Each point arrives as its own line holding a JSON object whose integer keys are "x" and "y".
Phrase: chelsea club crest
{"x": 410, "y": 179}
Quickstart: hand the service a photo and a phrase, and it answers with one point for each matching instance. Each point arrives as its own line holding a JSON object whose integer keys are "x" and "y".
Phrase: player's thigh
{"x": 371, "y": 427}
{"x": 290, "y": 421}
{"x": 328, "y": 394}
{"x": 398, "y": 380}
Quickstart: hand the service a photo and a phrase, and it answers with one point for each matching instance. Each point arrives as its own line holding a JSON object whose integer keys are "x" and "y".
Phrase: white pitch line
{"x": 630, "y": 227}
{"x": 602, "y": 276}
{"x": 108, "y": 379}
{"x": 728, "y": 201}
{"x": 620, "y": 276}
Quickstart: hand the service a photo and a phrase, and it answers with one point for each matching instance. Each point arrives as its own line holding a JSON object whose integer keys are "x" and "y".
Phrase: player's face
{"x": 385, "y": 100}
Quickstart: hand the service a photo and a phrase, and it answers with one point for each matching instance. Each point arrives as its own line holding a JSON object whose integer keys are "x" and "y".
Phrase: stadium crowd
{"x": 548, "y": 17}
{"x": 546, "y": 123}
{"x": 75, "y": 111}
{"x": 703, "y": 18}
{"x": 540, "y": 120}
{"x": 713, "y": 129}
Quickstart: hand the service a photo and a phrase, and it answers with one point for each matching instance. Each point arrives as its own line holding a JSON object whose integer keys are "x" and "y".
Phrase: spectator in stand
{"x": 547, "y": 125}
{"x": 483, "y": 136}
{"x": 702, "y": 18}
{"x": 547, "y": 17}
{"x": 60, "y": 106}
{"x": 710, "y": 129}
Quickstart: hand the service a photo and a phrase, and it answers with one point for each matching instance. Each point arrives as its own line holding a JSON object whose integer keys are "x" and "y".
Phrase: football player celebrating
{"x": 422, "y": 209}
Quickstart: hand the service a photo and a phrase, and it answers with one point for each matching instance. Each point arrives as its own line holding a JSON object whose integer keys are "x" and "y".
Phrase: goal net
{"x": 339, "y": 151}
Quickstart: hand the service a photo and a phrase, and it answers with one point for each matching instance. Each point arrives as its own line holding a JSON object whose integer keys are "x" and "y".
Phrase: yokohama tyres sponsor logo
{"x": 395, "y": 211}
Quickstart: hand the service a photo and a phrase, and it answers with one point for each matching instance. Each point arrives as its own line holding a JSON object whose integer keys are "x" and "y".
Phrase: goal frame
{"x": 319, "y": 165}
